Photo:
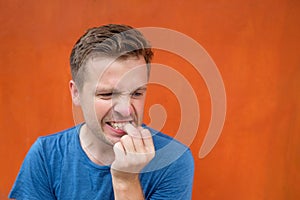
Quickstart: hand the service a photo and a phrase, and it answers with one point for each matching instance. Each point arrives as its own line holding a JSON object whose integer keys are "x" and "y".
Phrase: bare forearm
{"x": 127, "y": 190}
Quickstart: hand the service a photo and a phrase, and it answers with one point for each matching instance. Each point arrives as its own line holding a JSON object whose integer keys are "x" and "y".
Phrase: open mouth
{"x": 118, "y": 125}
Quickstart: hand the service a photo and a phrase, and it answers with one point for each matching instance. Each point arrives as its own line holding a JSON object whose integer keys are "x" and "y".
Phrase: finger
{"x": 132, "y": 131}
{"x": 147, "y": 140}
{"x": 136, "y": 138}
{"x": 127, "y": 143}
{"x": 119, "y": 156}
{"x": 119, "y": 150}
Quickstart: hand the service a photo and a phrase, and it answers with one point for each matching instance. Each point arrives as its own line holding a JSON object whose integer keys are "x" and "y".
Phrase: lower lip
{"x": 118, "y": 131}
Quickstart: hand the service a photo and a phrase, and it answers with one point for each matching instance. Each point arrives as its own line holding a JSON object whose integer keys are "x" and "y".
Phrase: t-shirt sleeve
{"x": 32, "y": 181}
{"x": 178, "y": 180}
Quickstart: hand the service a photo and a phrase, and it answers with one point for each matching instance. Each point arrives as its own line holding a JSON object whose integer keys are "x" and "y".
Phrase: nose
{"x": 122, "y": 106}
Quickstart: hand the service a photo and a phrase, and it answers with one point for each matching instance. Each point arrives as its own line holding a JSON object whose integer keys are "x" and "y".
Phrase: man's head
{"x": 113, "y": 41}
{"x": 110, "y": 68}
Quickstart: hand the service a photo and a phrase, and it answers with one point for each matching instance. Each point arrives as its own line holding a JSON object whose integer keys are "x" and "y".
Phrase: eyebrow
{"x": 143, "y": 87}
{"x": 108, "y": 89}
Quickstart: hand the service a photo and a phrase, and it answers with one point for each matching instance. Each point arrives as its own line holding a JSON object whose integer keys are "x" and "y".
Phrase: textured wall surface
{"x": 255, "y": 45}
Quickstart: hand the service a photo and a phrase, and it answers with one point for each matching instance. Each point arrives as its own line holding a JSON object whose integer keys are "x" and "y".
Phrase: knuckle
{"x": 150, "y": 156}
{"x": 125, "y": 138}
{"x": 117, "y": 145}
{"x": 145, "y": 132}
{"x": 146, "y": 158}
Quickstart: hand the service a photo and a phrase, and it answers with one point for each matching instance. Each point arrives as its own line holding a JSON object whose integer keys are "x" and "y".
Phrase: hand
{"x": 132, "y": 153}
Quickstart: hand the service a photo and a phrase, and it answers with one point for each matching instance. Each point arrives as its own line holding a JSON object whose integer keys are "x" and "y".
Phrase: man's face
{"x": 113, "y": 94}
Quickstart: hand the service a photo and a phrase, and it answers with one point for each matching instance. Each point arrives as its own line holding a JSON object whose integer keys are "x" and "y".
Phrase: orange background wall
{"x": 255, "y": 44}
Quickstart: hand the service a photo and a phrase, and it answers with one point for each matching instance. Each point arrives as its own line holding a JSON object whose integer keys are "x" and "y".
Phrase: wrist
{"x": 124, "y": 178}
{"x": 127, "y": 187}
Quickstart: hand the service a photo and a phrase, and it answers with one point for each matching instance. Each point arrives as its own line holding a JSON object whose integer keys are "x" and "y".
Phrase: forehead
{"x": 125, "y": 73}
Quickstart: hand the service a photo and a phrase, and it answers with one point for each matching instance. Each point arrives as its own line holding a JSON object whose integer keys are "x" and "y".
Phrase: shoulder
{"x": 60, "y": 138}
{"x": 53, "y": 147}
{"x": 61, "y": 134}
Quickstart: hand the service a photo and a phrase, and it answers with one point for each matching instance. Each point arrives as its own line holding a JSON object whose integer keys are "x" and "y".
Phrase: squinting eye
{"x": 105, "y": 95}
{"x": 137, "y": 94}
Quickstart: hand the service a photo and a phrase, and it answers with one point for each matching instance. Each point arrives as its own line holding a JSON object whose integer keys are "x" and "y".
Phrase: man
{"x": 112, "y": 155}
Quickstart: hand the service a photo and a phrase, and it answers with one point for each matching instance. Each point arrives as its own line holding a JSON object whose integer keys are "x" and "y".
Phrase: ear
{"x": 74, "y": 93}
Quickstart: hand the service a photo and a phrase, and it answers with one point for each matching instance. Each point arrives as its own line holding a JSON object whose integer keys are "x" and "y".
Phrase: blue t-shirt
{"x": 56, "y": 167}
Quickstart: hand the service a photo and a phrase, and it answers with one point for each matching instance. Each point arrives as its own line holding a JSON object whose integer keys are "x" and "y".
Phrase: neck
{"x": 97, "y": 151}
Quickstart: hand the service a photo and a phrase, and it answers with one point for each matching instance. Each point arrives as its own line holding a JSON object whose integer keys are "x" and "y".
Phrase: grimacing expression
{"x": 113, "y": 94}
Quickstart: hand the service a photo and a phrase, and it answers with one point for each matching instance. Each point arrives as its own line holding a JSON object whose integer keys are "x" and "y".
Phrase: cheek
{"x": 102, "y": 107}
{"x": 139, "y": 105}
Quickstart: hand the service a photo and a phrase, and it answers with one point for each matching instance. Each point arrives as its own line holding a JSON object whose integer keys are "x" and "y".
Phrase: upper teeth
{"x": 117, "y": 125}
